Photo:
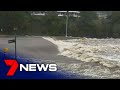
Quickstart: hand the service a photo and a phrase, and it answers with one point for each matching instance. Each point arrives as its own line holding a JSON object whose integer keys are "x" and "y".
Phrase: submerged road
{"x": 37, "y": 48}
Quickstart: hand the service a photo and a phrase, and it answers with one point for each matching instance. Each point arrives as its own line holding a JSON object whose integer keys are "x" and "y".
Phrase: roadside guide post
{"x": 14, "y": 41}
{"x": 15, "y": 29}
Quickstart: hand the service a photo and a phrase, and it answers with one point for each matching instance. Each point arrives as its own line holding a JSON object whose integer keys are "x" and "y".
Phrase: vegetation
{"x": 87, "y": 25}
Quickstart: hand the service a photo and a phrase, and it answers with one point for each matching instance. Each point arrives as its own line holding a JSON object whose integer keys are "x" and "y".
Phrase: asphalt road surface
{"x": 36, "y": 47}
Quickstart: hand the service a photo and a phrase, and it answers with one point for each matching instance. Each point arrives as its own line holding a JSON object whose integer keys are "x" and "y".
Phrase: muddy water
{"x": 101, "y": 57}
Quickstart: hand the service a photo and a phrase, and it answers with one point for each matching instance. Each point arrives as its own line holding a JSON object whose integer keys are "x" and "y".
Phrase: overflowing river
{"x": 100, "y": 57}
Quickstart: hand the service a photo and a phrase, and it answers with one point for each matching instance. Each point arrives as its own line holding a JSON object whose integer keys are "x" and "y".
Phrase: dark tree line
{"x": 87, "y": 25}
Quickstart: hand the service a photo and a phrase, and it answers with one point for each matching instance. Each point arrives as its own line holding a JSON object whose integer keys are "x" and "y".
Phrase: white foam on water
{"x": 106, "y": 52}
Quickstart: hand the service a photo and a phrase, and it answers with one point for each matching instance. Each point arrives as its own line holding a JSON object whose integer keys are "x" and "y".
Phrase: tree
{"x": 13, "y": 19}
{"x": 114, "y": 22}
{"x": 86, "y": 23}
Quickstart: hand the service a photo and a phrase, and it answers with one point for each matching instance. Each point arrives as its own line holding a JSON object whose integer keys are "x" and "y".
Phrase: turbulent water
{"x": 100, "y": 57}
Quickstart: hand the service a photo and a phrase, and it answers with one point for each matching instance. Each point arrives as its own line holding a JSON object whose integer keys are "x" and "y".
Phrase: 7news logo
{"x": 14, "y": 65}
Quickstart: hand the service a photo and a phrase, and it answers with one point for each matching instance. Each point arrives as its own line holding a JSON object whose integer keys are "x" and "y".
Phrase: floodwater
{"x": 100, "y": 57}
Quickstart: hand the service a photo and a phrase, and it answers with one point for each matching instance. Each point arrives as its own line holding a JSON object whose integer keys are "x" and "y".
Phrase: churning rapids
{"x": 99, "y": 57}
